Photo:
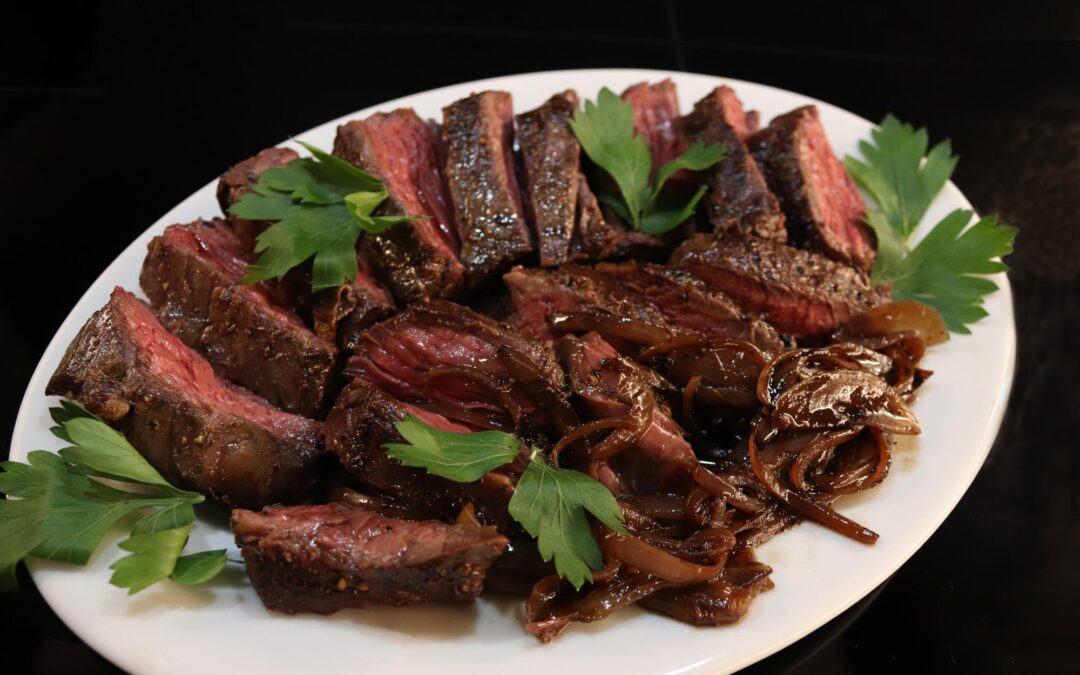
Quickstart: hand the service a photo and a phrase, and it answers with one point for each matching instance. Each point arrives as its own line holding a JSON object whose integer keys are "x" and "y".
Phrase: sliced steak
{"x": 551, "y": 162}
{"x": 611, "y": 386}
{"x": 656, "y": 116}
{"x": 196, "y": 429}
{"x": 822, "y": 206}
{"x": 339, "y": 314}
{"x": 330, "y": 557}
{"x": 479, "y": 136}
{"x": 446, "y": 354}
{"x": 192, "y": 276}
{"x": 544, "y": 297}
{"x": 738, "y": 200}
{"x": 594, "y": 238}
{"x": 362, "y": 421}
{"x": 688, "y": 304}
{"x": 418, "y": 259}
{"x": 744, "y": 123}
{"x": 239, "y": 179}
{"x": 563, "y": 210}
{"x": 802, "y": 293}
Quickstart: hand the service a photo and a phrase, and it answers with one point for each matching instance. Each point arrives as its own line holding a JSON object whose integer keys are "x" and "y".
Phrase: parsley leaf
{"x": 62, "y": 511}
{"x": 895, "y": 176}
{"x": 462, "y": 458}
{"x": 942, "y": 270}
{"x": 321, "y": 205}
{"x": 550, "y": 503}
{"x": 605, "y": 130}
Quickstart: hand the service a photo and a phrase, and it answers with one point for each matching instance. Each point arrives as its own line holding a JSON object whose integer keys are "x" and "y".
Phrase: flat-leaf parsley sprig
{"x": 320, "y": 206}
{"x": 605, "y": 130}
{"x": 63, "y": 510}
{"x": 944, "y": 270}
{"x": 550, "y": 502}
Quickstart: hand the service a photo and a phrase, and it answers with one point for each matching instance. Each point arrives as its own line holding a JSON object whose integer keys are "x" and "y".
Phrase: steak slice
{"x": 239, "y": 179}
{"x": 563, "y": 210}
{"x": 446, "y": 354}
{"x": 479, "y": 136}
{"x": 688, "y": 305}
{"x": 542, "y": 297}
{"x": 330, "y": 557}
{"x": 417, "y": 259}
{"x": 611, "y": 386}
{"x": 744, "y": 123}
{"x": 656, "y": 117}
{"x": 738, "y": 200}
{"x": 802, "y": 293}
{"x": 362, "y": 421}
{"x": 823, "y": 208}
{"x": 199, "y": 431}
{"x": 594, "y": 238}
{"x": 192, "y": 274}
{"x": 341, "y": 313}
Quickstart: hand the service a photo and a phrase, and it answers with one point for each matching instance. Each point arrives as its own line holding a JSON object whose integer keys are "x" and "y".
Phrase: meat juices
{"x": 822, "y": 206}
{"x": 479, "y": 136}
{"x": 418, "y": 259}
{"x": 199, "y": 431}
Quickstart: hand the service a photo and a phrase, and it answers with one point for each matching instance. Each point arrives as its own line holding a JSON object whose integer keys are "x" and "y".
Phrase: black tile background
{"x": 111, "y": 112}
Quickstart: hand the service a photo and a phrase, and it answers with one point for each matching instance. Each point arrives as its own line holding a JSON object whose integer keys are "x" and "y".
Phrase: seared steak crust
{"x": 688, "y": 305}
{"x": 822, "y": 206}
{"x": 478, "y": 132}
{"x": 331, "y": 557}
{"x": 802, "y": 293}
{"x": 738, "y": 199}
{"x": 362, "y": 422}
{"x": 192, "y": 276}
{"x": 197, "y": 430}
{"x": 417, "y": 259}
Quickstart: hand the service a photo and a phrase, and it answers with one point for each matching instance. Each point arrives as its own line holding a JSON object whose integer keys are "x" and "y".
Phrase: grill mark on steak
{"x": 362, "y": 422}
{"x": 478, "y": 132}
{"x": 442, "y": 353}
{"x": 739, "y": 199}
{"x": 418, "y": 259}
{"x": 823, "y": 208}
{"x": 330, "y": 557}
{"x": 192, "y": 274}
{"x": 199, "y": 431}
{"x": 239, "y": 180}
{"x": 688, "y": 305}
{"x": 802, "y": 293}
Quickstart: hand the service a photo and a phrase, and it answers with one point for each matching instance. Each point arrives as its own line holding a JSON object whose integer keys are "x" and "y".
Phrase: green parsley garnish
{"x": 64, "y": 511}
{"x": 320, "y": 204}
{"x": 942, "y": 270}
{"x": 605, "y": 130}
{"x": 549, "y": 502}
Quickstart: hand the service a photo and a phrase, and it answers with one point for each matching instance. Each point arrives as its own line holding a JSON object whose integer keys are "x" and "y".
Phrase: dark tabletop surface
{"x": 110, "y": 113}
